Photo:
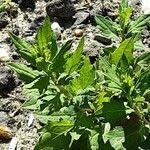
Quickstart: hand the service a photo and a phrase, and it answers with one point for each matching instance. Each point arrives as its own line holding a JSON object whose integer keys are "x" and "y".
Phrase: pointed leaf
{"x": 116, "y": 138}
{"x": 86, "y": 77}
{"x": 107, "y": 27}
{"x": 59, "y": 60}
{"x": 125, "y": 48}
{"x": 23, "y": 48}
{"x": 44, "y": 34}
{"x": 25, "y": 73}
{"x": 73, "y": 62}
{"x": 139, "y": 24}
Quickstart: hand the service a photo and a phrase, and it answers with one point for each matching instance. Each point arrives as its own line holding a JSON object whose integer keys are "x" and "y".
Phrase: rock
{"x": 78, "y": 32}
{"x": 3, "y": 20}
{"x": 81, "y": 17}
{"x": 60, "y": 9}
{"x": 92, "y": 48}
{"x": 3, "y": 118}
{"x": 145, "y": 7}
{"x": 7, "y": 81}
{"x": 56, "y": 29}
{"x": 25, "y": 4}
{"x": 102, "y": 39}
{"x": 12, "y": 10}
{"x": 4, "y": 56}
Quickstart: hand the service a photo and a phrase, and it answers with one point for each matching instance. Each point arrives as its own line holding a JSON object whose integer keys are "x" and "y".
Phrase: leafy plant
{"x": 4, "y": 4}
{"x": 80, "y": 106}
{"x": 124, "y": 27}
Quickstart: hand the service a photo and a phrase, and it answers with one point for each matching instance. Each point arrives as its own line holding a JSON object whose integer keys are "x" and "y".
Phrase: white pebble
{"x": 4, "y": 56}
{"x": 13, "y": 144}
{"x": 31, "y": 119}
{"x": 56, "y": 29}
{"x": 145, "y": 6}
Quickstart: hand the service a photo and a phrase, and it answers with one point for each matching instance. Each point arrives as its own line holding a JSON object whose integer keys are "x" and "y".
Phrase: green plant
{"x": 4, "y": 4}
{"x": 124, "y": 27}
{"x": 84, "y": 107}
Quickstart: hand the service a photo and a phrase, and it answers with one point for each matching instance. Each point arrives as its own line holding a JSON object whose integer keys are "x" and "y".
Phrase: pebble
{"x": 78, "y": 32}
{"x": 145, "y": 6}
{"x": 4, "y": 55}
{"x": 56, "y": 29}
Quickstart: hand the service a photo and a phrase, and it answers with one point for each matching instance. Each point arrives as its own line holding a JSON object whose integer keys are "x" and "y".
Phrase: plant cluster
{"x": 82, "y": 107}
{"x": 4, "y": 4}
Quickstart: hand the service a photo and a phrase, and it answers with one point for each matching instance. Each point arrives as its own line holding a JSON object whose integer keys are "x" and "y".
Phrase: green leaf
{"x": 94, "y": 140}
{"x": 41, "y": 83}
{"x": 32, "y": 96}
{"x": 107, "y": 27}
{"x": 53, "y": 48}
{"x": 65, "y": 113}
{"x": 143, "y": 59}
{"x": 139, "y": 24}
{"x": 114, "y": 112}
{"x": 125, "y": 48}
{"x": 58, "y": 128}
{"x": 116, "y": 138}
{"x": 86, "y": 77}
{"x": 73, "y": 62}
{"x": 110, "y": 72}
{"x": 123, "y": 4}
{"x": 44, "y": 34}
{"x": 59, "y": 60}
{"x": 125, "y": 16}
{"x": 23, "y": 48}
{"x": 46, "y": 142}
{"x": 25, "y": 73}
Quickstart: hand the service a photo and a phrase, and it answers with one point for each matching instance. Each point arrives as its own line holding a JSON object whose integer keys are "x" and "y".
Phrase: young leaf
{"x": 125, "y": 17}
{"x": 25, "y": 73}
{"x": 107, "y": 27}
{"x": 125, "y": 48}
{"x": 44, "y": 34}
{"x": 139, "y": 24}
{"x": 59, "y": 59}
{"x": 73, "y": 62}
{"x": 86, "y": 77}
{"x": 23, "y": 48}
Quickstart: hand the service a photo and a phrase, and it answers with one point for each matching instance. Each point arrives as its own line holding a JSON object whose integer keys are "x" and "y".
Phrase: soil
{"x": 23, "y": 17}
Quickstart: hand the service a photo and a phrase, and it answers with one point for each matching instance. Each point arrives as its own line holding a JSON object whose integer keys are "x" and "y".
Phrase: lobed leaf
{"x": 25, "y": 73}
{"x": 107, "y": 27}
{"x": 86, "y": 77}
{"x": 125, "y": 48}
{"x": 139, "y": 24}
{"x": 23, "y": 48}
{"x": 74, "y": 61}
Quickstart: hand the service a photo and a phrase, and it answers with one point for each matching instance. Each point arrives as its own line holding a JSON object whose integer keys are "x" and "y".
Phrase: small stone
{"x": 5, "y": 133}
{"x": 60, "y": 9}
{"x": 3, "y": 20}
{"x": 81, "y": 17}
{"x": 78, "y": 32}
{"x": 4, "y": 56}
{"x": 145, "y": 6}
{"x": 102, "y": 39}
{"x": 26, "y": 4}
{"x": 7, "y": 80}
{"x": 56, "y": 29}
